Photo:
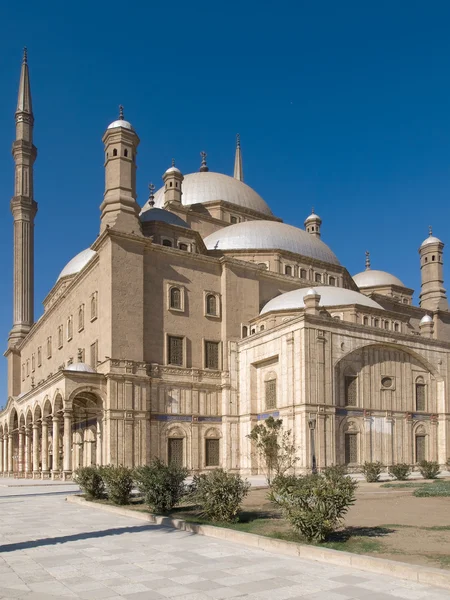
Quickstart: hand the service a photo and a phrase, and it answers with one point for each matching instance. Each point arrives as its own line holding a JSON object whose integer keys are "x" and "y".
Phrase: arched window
{"x": 420, "y": 448}
{"x": 69, "y": 327}
{"x": 332, "y": 281}
{"x": 303, "y": 274}
{"x": 94, "y": 305}
{"x": 167, "y": 243}
{"x": 125, "y": 153}
{"x": 318, "y": 278}
{"x": 115, "y": 152}
{"x": 351, "y": 448}
{"x": 386, "y": 324}
{"x": 350, "y": 390}
{"x": 170, "y": 183}
{"x": 376, "y": 322}
{"x": 81, "y": 317}
{"x": 366, "y": 320}
{"x": 263, "y": 265}
{"x": 211, "y": 305}
{"x": 288, "y": 270}
{"x": 420, "y": 394}
{"x": 244, "y": 331}
{"x": 175, "y": 298}
{"x": 183, "y": 247}
{"x": 433, "y": 257}
{"x": 270, "y": 392}
{"x": 262, "y": 327}
{"x": 396, "y": 327}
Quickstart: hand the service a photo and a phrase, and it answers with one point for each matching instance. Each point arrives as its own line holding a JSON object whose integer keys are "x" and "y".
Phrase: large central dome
{"x": 204, "y": 187}
{"x": 270, "y": 235}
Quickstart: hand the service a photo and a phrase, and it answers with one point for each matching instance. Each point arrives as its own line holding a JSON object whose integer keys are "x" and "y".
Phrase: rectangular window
{"x": 351, "y": 448}
{"x": 420, "y": 396}
{"x": 94, "y": 306}
{"x": 420, "y": 448}
{"x": 81, "y": 318}
{"x": 211, "y": 355}
{"x": 318, "y": 278}
{"x": 351, "y": 391}
{"x": 94, "y": 354}
{"x": 175, "y": 452}
{"x": 39, "y": 357}
{"x": 233, "y": 220}
{"x": 270, "y": 393}
{"x": 175, "y": 350}
{"x": 60, "y": 336}
{"x": 49, "y": 346}
{"x": 212, "y": 453}
{"x": 69, "y": 328}
{"x": 33, "y": 362}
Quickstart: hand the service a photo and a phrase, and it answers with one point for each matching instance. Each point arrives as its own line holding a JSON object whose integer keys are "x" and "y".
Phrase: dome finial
{"x": 25, "y": 56}
{"x": 312, "y": 210}
{"x": 173, "y": 162}
{"x": 367, "y": 260}
{"x": 121, "y": 117}
{"x": 204, "y": 166}
{"x": 151, "y": 197}
{"x": 430, "y": 230}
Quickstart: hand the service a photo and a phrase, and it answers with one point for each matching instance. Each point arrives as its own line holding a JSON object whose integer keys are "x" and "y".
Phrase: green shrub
{"x": 315, "y": 504}
{"x": 118, "y": 483}
{"x": 90, "y": 481}
{"x": 372, "y": 471}
{"x": 429, "y": 469}
{"x": 334, "y": 473}
{"x": 219, "y": 494}
{"x": 400, "y": 471}
{"x": 162, "y": 485}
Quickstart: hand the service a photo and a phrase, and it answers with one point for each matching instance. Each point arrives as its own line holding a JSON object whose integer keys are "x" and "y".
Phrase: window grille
{"x": 212, "y": 453}
{"x": 175, "y": 298}
{"x": 211, "y": 355}
{"x": 175, "y": 350}
{"x": 351, "y": 391}
{"x": 420, "y": 396}
{"x": 351, "y": 448}
{"x": 288, "y": 270}
{"x": 211, "y": 305}
{"x": 271, "y": 394}
{"x": 175, "y": 452}
{"x": 420, "y": 448}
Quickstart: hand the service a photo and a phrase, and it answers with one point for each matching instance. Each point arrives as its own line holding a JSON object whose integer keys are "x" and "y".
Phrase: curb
{"x": 418, "y": 573}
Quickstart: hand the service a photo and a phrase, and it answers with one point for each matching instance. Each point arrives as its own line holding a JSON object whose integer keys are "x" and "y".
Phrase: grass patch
{"x": 404, "y": 484}
{"x": 356, "y": 545}
{"x": 438, "y": 488}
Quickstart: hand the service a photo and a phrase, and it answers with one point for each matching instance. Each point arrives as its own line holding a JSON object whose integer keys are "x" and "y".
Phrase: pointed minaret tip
{"x": 238, "y": 169}
{"x": 24, "y": 104}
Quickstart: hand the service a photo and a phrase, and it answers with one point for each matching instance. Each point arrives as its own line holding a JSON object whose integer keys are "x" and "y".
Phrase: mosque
{"x": 192, "y": 318}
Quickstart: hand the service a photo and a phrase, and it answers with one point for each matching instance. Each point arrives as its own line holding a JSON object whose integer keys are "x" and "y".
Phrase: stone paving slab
{"x": 53, "y": 549}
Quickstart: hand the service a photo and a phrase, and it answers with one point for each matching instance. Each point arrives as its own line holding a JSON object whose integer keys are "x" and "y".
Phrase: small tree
{"x": 274, "y": 447}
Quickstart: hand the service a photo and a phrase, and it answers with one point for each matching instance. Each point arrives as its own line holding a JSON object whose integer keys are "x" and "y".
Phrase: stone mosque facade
{"x": 192, "y": 318}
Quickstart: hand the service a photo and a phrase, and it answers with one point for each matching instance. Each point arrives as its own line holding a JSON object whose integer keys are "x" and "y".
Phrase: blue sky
{"x": 344, "y": 106}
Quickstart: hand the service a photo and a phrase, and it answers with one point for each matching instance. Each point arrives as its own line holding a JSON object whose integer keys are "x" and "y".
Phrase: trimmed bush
{"x": 314, "y": 504}
{"x": 118, "y": 483}
{"x": 219, "y": 495}
{"x": 90, "y": 481}
{"x": 372, "y": 471}
{"x": 429, "y": 469}
{"x": 162, "y": 485}
{"x": 400, "y": 471}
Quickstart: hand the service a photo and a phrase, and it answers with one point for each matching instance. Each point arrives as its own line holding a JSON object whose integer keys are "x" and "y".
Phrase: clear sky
{"x": 344, "y": 106}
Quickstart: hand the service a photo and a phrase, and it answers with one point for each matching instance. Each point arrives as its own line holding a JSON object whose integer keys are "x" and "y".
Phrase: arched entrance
{"x": 87, "y": 429}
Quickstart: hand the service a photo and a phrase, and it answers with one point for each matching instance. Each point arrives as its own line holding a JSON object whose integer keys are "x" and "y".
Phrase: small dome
{"x": 207, "y": 186}
{"x": 426, "y": 319}
{"x": 329, "y": 296}
{"x": 80, "y": 367}
{"x": 172, "y": 169}
{"x": 430, "y": 240}
{"x": 77, "y": 263}
{"x": 311, "y": 292}
{"x": 373, "y": 278}
{"x": 312, "y": 217}
{"x": 163, "y": 216}
{"x": 269, "y": 235}
{"x": 121, "y": 123}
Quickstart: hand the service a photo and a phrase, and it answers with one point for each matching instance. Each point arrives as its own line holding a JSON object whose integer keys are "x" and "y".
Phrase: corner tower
{"x": 119, "y": 209}
{"x": 173, "y": 179}
{"x": 313, "y": 223}
{"x": 432, "y": 292}
{"x": 24, "y": 209}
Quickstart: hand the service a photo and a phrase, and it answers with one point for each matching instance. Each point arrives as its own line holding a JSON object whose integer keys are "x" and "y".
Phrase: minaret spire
{"x": 238, "y": 169}
{"x": 23, "y": 208}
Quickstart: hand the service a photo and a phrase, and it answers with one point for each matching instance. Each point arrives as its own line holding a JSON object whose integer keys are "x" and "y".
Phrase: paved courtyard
{"x": 52, "y": 549}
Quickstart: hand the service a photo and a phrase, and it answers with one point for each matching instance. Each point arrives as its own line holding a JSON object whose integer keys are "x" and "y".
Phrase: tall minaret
{"x": 23, "y": 208}
{"x": 432, "y": 292}
{"x": 238, "y": 169}
{"x": 119, "y": 209}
